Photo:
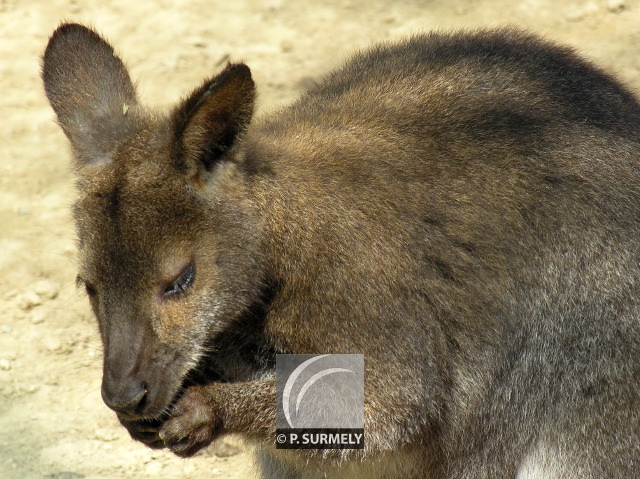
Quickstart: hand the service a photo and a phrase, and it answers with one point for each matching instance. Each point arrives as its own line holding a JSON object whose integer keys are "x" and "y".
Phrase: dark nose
{"x": 127, "y": 396}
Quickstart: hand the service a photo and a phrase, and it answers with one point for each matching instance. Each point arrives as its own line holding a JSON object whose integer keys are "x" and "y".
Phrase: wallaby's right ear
{"x": 209, "y": 123}
{"x": 89, "y": 89}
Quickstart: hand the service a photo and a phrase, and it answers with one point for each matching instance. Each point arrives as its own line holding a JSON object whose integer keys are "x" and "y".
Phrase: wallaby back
{"x": 462, "y": 209}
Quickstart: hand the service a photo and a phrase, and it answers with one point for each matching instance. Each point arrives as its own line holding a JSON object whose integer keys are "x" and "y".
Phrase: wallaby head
{"x": 167, "y": 245}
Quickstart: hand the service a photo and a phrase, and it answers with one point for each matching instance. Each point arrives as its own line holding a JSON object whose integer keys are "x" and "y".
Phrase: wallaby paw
{"x": 193, "y": 424}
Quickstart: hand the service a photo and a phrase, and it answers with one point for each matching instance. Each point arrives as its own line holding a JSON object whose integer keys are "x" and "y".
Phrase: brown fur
{"x": 463, "y": 209}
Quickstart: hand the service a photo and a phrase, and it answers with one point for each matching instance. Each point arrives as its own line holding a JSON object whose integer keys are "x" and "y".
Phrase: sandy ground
{"x": 53, "y": 423}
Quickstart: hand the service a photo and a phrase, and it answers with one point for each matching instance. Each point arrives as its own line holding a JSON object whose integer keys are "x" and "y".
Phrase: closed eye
{"x": 182, "y": 282}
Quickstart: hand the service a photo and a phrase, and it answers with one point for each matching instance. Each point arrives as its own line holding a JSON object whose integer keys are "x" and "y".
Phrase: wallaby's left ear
{"x": 90, "y": 90}
{"x": 208, "y": 123}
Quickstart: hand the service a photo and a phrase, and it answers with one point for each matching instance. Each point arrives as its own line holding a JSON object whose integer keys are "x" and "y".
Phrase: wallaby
{"x": 462, "y": 209}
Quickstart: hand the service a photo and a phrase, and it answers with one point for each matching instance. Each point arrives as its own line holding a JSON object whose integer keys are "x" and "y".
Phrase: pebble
{"x": 38, "y": 317}
{"x": 577, "y": 13}
{"x": 222, "y": 449}
{"x": 306, "y": 82}
{"x": 6, "y": 328}
{"x": 40, "y": 291}
{"x": 32, "y": 388}
{"x": 29, "y": 300}
{"x": 45, "y": 289}
{"x": 5, "y": 364}
{"x": 189, "y": 469}
{"x": 154, "y": 468}
{"x": 286, "y": 46}
{"x": 157, "y": 454}
{"x": 616, "y": 6}
{"x": 53, "y": 345}
{"x": 7, "y": 390}
{"x": 12, "y": 293}
{"x": 107, "y": 434}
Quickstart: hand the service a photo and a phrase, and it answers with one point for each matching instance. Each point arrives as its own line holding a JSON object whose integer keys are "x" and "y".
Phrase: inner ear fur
{"x": 210, "y": 121}
{"x": 89, "y": 89}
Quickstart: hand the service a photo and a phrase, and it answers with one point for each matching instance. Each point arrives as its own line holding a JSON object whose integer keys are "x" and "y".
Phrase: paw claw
{"x": 192, "y": 425}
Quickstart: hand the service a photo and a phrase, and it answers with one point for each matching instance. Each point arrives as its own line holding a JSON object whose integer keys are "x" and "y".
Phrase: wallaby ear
{"x": 89, "y": 88}
{"x": 210, "y": 121}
